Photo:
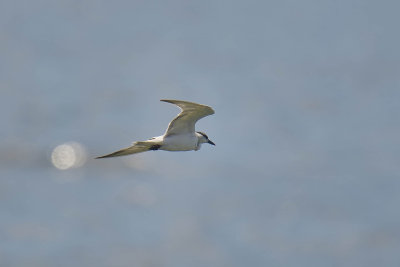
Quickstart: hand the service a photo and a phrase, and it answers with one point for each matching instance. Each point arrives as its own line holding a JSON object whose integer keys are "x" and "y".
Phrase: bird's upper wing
{"x": 136, "y": 147}
{"x": 186, "y": 120}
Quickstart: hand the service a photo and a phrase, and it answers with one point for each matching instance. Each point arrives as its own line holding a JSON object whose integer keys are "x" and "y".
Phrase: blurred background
{"x": 306, "y": 167}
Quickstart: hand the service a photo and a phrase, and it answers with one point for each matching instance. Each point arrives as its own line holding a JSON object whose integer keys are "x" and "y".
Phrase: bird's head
{"x": 203, "y": 138}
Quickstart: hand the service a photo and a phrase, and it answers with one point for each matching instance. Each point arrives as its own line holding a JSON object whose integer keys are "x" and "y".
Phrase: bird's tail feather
{"x": 137, "y": 147}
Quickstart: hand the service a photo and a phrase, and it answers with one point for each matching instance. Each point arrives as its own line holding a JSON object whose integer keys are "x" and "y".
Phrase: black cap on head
{"x": 203, "y": 134}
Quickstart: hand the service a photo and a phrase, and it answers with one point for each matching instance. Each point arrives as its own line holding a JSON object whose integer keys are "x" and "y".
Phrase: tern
{"x": 180, "y": 134}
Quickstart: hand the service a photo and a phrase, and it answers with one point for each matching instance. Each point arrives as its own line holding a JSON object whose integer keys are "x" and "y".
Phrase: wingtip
{"x": 181, "y": 104}
{"x": 105, "y": 156}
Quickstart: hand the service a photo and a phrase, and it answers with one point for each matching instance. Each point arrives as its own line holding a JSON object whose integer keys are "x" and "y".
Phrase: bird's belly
{"x": 179, "y": 143}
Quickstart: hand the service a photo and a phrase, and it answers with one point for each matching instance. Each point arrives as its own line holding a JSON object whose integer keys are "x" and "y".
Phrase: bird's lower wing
{"x": 135, "y": 148}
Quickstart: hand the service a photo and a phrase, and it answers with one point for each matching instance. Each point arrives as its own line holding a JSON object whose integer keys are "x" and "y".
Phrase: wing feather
{"x": 186, "y": 120}
{"x": 137, "y": 147}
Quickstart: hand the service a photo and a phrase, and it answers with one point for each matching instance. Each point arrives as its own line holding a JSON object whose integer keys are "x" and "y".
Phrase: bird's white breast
{"x": 180, "y": 142}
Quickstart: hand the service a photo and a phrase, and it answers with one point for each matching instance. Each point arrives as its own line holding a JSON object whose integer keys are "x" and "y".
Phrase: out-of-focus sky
{"x": 306, "y": 167}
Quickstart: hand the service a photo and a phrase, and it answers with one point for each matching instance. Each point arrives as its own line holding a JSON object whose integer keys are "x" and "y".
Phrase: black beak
{"x": 211, "y": 142}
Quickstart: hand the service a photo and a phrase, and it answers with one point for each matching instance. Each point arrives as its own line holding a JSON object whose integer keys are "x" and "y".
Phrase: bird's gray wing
{"x": 136, "y": 147}
{"x": 186, "y": 120}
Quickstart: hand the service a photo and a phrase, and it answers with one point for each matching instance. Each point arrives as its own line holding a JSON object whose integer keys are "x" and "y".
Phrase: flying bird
{"x": 180, "y": 134}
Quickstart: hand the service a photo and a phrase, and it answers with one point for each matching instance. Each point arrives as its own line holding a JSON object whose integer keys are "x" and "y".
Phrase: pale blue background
{"x": 306, "y": 167}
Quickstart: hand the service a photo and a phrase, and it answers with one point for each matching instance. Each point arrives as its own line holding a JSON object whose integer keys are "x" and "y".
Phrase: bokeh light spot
{"x": 68, "y": 155}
